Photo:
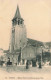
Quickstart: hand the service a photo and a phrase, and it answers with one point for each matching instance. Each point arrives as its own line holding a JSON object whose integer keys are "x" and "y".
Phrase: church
{"x": 18, "y": 38}
{"x": 19, "y": 41}
{"x": 18, "y": 33}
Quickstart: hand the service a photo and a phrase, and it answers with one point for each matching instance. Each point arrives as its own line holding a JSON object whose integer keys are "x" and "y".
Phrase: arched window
{"x": 18, "y": 22}
{"x": 21, "y": 21}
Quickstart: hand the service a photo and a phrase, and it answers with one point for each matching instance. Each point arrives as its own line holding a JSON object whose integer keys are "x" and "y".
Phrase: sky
{"x": 36, "y": 15}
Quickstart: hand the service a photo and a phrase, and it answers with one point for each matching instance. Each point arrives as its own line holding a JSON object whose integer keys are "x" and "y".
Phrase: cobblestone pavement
{"x": 22, "y": 68}
{"x": 34, "y": 73}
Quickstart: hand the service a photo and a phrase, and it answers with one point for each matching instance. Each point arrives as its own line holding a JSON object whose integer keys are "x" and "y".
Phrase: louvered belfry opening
{"x": 17, "y": 18}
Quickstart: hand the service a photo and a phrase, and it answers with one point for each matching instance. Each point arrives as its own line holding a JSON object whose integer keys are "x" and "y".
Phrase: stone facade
{"x": 18, "y": 33}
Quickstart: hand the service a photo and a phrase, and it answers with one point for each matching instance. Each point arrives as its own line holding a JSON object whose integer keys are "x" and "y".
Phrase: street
{"x": 22, "y": 68}
{"x": 21, "y": 72}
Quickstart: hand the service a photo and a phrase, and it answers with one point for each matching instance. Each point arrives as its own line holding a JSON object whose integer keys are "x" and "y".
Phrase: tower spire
{"x": 17, "y": 18}
{"x": 17, "y": 14}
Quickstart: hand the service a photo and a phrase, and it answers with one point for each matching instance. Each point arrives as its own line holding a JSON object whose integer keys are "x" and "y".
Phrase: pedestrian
{"x": 40, "y": 66}
{"x": 27, "y": 64}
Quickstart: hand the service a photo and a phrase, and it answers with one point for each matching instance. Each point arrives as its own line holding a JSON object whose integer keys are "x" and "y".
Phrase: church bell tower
{"x": 17, "y": 20}
{"x": 18, "y": 33}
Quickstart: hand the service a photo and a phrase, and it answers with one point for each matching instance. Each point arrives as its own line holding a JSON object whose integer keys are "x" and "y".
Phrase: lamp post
{"x": 40, "y": 62}
{"x": 41, "y": 55}
{"x": 50, "y": 56}
{"x": 50, "y": 53}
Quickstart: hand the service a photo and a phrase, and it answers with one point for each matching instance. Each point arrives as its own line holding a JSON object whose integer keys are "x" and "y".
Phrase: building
{"x": 18, "y": 34}
{"x": 18, "y": 38}
{"x": 19, "y": 41}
